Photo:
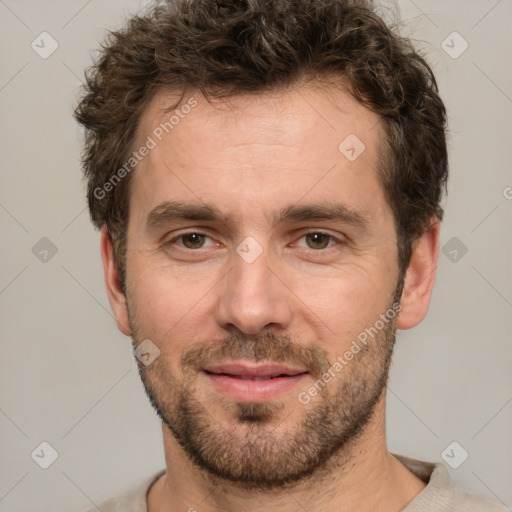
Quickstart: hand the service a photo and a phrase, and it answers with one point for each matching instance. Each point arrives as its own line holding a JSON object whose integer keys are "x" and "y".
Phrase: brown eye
{"x": 193, "y": 240}
{"x": 318, "y": 240}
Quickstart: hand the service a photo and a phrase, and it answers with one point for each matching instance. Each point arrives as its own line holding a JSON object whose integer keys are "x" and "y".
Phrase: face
{"x": 258, "y": 252}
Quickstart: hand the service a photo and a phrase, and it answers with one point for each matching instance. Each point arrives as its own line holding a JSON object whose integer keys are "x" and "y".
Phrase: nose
{"x": 253, "y": 297}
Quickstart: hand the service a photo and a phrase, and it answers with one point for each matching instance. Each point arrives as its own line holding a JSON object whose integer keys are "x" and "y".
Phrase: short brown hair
{"x": 224, "y": 48}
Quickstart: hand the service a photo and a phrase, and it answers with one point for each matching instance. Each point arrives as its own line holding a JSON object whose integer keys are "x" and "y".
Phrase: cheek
{"x": 348, "y": 300}
{"x": 168, "y": 302}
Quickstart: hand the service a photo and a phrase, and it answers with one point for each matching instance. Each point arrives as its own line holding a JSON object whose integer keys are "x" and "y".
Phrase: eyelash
{"x": 315, "y": 232}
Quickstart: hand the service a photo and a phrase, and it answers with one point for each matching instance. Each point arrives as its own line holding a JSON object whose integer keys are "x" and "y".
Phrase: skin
{"x": 250, "y": 158}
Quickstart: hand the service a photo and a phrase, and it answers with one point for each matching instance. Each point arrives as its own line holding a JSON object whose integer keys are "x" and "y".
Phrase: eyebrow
{"x": 324, "y": 211}
{"x": 172, "y": 211}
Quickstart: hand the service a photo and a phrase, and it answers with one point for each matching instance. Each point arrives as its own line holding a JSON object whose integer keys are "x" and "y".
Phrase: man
{"x": 267, "y": 178}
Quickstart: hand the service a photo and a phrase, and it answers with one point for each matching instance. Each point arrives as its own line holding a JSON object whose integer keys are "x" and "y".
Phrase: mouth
{"x": 253, "y": 382}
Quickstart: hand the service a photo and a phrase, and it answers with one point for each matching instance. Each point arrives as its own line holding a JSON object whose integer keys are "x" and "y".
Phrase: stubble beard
{"x": 256, "y": 453}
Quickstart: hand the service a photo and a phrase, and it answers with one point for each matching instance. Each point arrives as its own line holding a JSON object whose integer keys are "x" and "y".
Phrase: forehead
{"x": 293, "y": 142}
{"x": 318, "y": 106}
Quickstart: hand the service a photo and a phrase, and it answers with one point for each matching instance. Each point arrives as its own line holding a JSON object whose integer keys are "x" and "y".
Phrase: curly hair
{"x": 225, "y": 48}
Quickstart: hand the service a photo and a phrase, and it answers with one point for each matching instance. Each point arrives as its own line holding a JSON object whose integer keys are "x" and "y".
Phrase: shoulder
{"x": 442, "y": 493}
{"x": 464, "y": 501}
{"x": 132, "y": 500}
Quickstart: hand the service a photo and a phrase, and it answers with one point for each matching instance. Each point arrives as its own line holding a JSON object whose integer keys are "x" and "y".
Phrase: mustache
{"x": 268, "y": 347}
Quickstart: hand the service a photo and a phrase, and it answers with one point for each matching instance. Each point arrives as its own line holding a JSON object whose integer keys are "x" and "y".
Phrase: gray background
{"x": 68, "y": 376}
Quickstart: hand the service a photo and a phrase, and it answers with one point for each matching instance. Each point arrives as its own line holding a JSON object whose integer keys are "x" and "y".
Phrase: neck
{"x": 363, "y": 476}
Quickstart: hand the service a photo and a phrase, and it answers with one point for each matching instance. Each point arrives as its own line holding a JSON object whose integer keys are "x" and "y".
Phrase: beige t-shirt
{"x": 440, "y": 495}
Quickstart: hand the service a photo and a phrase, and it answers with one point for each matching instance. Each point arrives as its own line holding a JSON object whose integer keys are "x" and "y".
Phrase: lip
{"x": 247, "y": 370}
{"x": 253, "y": 382}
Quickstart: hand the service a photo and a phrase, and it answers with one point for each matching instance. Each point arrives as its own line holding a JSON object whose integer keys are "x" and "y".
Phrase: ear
{"x": 420, "y": 278}
{"x": 115, "y": 293}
